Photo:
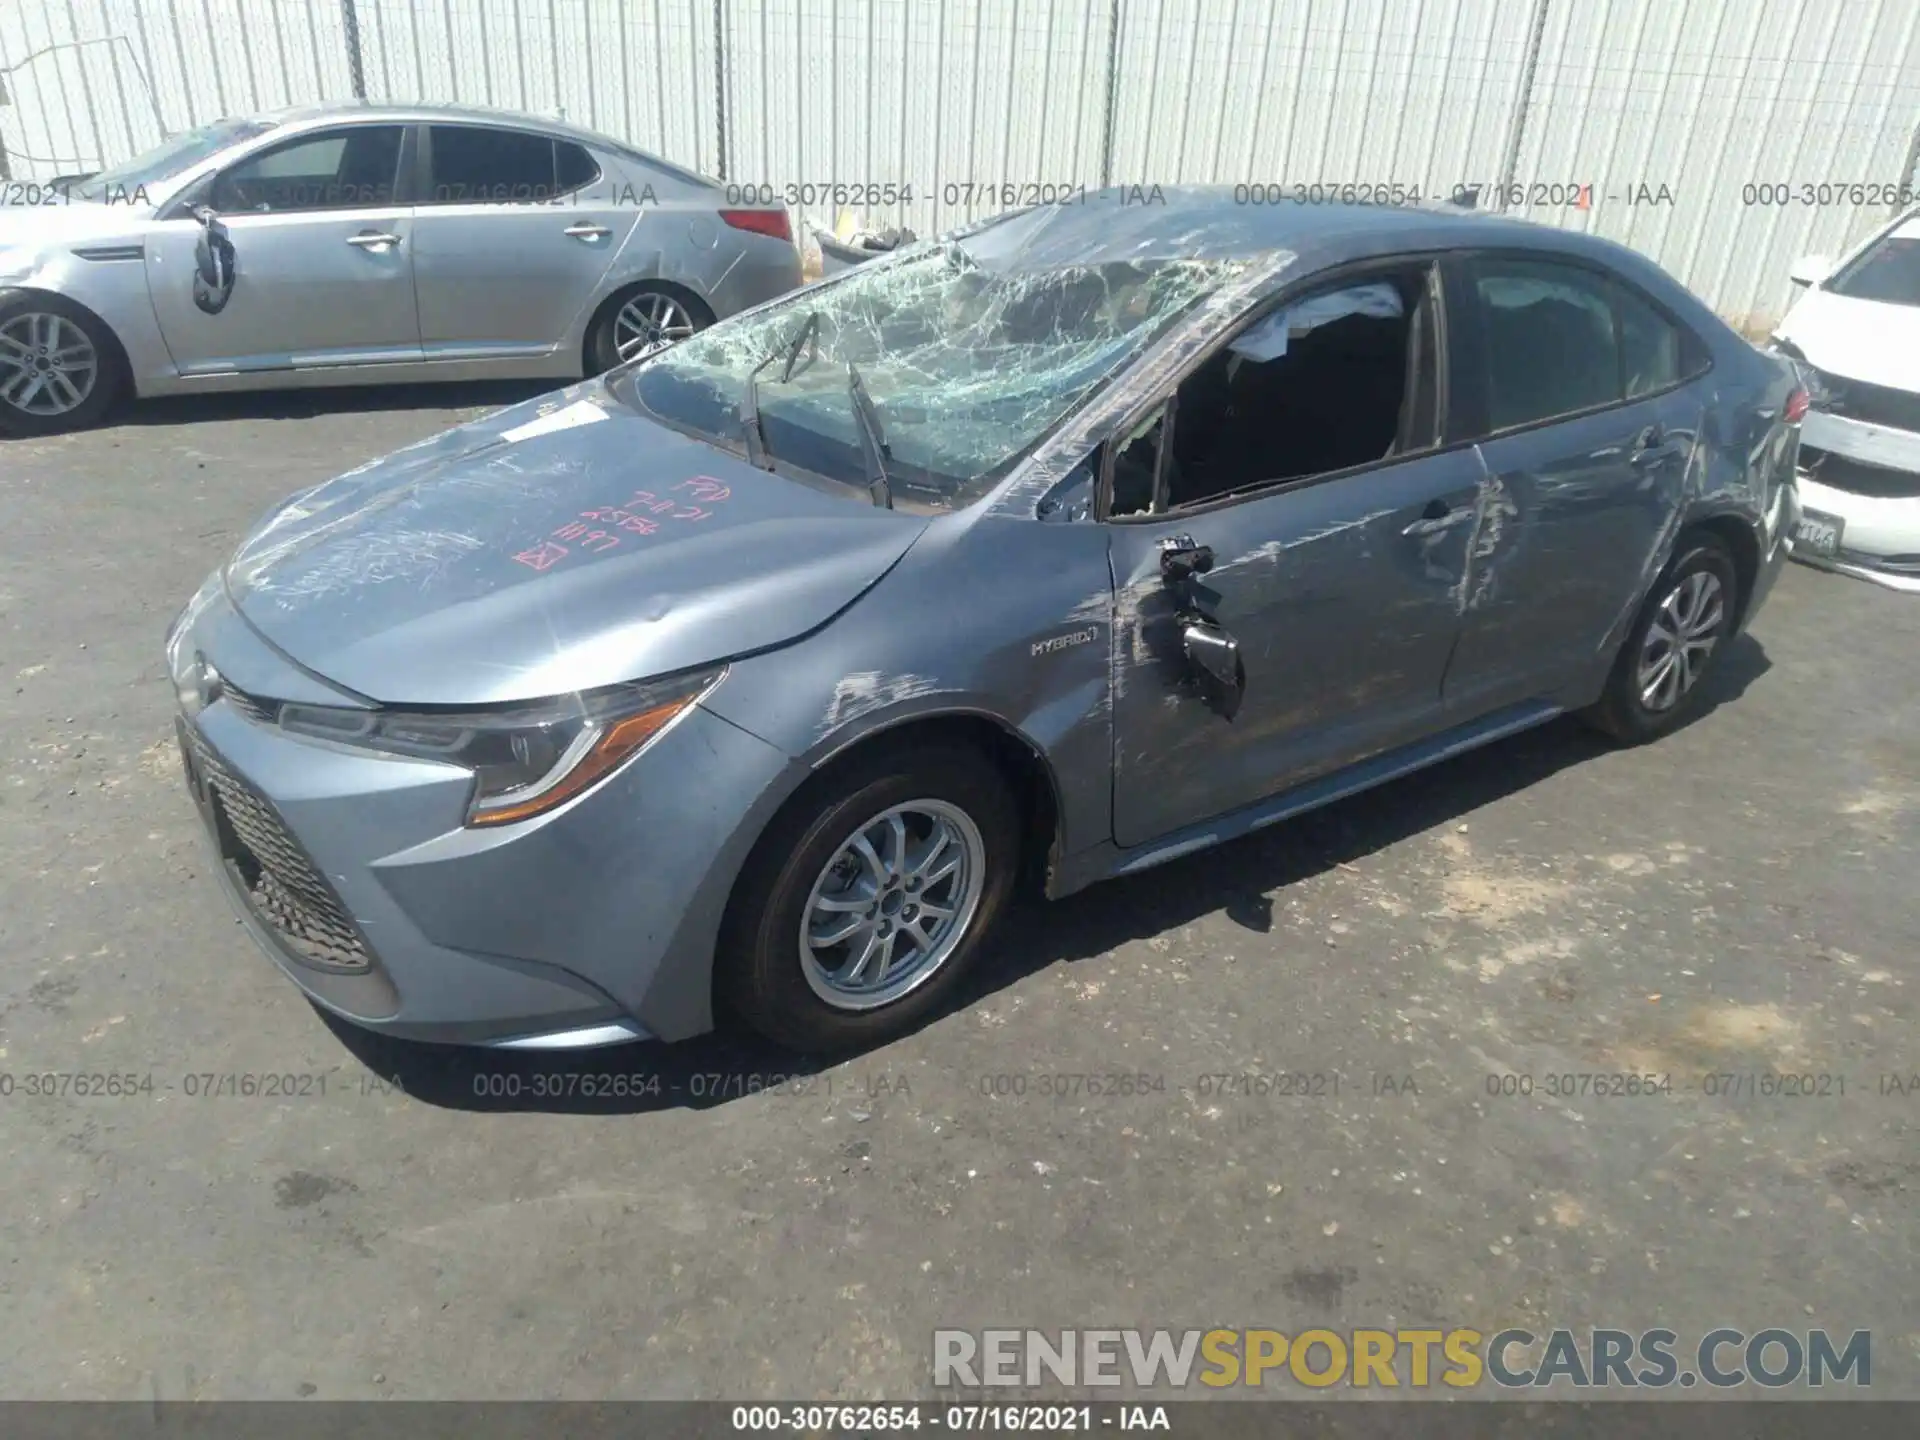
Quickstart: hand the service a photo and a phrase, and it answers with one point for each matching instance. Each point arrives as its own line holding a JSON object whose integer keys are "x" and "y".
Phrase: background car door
{"x": 514, "y": 231}
{"x": 1587, "y": 443}
{"x": 1340, "y": 594}
{"x": 323, "y": 271}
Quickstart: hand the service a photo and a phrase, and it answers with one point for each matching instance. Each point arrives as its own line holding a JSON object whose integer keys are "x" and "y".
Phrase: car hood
{"x": 559, "y": 545}
{"x": 1866, "y": 340}
{"x": 39, "y": 226}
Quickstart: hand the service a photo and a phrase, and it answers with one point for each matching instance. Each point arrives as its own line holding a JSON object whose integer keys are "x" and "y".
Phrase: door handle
{"x": 372, "y": 239}
{"x": 1438, "y": 517}
{"x": 585, "y": 230}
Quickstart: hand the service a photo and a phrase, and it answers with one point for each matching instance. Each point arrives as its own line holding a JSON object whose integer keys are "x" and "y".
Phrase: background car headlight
{"x": 526, "y": 759}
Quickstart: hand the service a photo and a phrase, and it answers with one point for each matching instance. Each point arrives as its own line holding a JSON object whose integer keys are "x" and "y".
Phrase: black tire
{"x": 760, "y": 974}
{"x": 106, "y": 382}
{"x": 1621, "y": 711}
{"x": 603, "y": 351}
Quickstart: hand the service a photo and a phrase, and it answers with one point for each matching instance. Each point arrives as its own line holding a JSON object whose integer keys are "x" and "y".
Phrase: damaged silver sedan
{"x": 356, "y": 244}
{"x": 751, "y": 677}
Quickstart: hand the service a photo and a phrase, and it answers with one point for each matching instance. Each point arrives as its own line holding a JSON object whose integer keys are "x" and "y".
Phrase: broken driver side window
{"x": 1340, "y": 377}
{"x": 1136, "y": 458}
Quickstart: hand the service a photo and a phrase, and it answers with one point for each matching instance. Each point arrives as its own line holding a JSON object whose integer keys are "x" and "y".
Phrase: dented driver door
{"x": 318, "y": 262}
{"x": 1338, "y": 595}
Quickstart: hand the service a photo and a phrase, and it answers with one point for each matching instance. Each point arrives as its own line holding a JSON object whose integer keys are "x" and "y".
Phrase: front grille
{"x": 1856, "y": 478}
{"x": 1876, "y": 404}
{"x": 279, "y": 881}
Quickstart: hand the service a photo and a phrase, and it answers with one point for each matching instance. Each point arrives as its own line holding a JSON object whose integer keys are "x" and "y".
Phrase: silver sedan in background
{"x": 354, "y": 244}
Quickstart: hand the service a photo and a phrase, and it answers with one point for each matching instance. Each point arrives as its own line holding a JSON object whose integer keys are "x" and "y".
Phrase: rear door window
{"x": 478, "y": 165}
{"x": 1552, "y": 347}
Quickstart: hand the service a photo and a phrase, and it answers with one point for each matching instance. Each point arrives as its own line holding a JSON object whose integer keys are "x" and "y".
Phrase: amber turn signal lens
{"x": 609, "y": 750}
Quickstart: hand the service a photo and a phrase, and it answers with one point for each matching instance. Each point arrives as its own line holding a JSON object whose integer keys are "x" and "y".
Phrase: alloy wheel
{"x": 48, "y": 366}
{"x": 892, "y": 905}
{"x": 1684, "y": 631}
{"x": 649, "y": 322}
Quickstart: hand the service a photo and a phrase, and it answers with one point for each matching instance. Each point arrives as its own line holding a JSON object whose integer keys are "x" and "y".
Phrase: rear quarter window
{"x": 574, "y": 167}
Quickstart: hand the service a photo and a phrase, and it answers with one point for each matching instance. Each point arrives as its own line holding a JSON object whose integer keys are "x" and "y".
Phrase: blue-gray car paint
{"x": 403, "y": 583}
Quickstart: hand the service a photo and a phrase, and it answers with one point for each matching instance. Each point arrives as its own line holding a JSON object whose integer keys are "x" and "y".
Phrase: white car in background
{"x": 1855, "y": 335}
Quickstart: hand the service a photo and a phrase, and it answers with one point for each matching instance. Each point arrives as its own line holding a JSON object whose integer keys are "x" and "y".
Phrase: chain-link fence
{"x": 1722, "y": 137}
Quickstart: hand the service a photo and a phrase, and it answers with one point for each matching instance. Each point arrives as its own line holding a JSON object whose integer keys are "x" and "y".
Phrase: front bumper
{"x": 1867, "y": 477}
{"x": 593, "y": 924}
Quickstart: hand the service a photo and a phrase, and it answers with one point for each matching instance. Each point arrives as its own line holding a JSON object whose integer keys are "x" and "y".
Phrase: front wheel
{"x": 868, "y": 897}
{"x": 59, "y": 369}
{"x": 1679, "y": 635}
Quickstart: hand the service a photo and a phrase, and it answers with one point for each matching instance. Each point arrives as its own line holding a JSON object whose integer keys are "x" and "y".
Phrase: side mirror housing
{"x": 1214, "y": 658}
{"x": 1810, "y": 270}
{"x": 204, "y": 259}
{"x": 213, "y": 263}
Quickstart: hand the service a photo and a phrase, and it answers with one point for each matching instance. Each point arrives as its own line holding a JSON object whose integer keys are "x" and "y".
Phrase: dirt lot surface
{"x": 1737, "y": 901}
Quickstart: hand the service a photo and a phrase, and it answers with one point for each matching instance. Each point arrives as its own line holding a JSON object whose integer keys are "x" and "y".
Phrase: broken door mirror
{"x": 213, "y": 262}
{"x": 1181, "y": 560}
{"x": 1072, "y": 498}
{"x": 1213, "y": 656}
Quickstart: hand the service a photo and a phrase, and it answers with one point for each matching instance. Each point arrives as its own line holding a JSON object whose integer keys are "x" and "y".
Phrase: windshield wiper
{"x": 873, "y": 444}
{"x": 752, "y": 430}
{"x": 809, "y": 330}
{"x": 750, "y": 427}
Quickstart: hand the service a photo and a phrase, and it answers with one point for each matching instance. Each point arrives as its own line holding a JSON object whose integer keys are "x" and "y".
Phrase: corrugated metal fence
{"x": 1722, "y": 137}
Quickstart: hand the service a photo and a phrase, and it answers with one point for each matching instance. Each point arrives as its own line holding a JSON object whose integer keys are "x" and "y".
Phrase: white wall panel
{"x": 1703, "y": 97}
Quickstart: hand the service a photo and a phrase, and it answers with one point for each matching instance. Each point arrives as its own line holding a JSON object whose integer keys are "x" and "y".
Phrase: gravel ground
{"x": 1736, "y": 900}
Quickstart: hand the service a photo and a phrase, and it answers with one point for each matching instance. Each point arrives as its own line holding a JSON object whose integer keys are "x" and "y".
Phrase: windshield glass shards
{"x": 965, "y": 362}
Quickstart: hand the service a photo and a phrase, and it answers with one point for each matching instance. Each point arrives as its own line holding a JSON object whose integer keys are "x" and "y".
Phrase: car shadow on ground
{"x": 329, "y": 400}
{"x": 1237, "y": 879}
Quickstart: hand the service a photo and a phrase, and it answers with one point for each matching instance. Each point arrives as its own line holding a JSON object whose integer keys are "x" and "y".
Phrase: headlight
{"x": 195, "y": 682}
{"x": 526, "y": 759}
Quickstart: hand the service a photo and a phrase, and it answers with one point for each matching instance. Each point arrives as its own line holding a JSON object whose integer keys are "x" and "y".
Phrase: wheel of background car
{"x": 638, "y": 321}
{"x": 1677, "y": 639}
{"x": 59, "y": 369}
{"x": 868, "y": 896}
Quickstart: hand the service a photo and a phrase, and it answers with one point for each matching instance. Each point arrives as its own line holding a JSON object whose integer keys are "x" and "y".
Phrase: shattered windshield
{"x": 969, "y": 358}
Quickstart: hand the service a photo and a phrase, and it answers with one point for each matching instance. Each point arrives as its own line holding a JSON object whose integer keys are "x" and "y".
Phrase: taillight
{"x": 761, "y": 222}
{"x": 1796, "y": 406}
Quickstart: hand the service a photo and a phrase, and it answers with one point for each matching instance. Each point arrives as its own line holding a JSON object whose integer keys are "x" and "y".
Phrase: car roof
{"x": 1150, "y": 224}
{"x": 1227, "y": 222}
{"x": 304, "y": 116}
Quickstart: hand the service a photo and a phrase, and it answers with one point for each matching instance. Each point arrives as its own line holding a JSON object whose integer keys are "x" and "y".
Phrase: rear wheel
{"x": 640, "y": 320}
{"x": 868, "y": 897}
{"x": 1679, "y": 636}
{"x": 59, "y": 369}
